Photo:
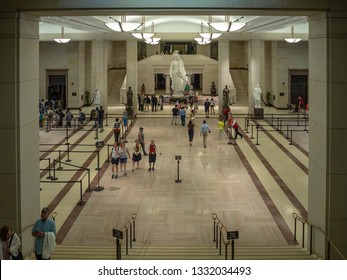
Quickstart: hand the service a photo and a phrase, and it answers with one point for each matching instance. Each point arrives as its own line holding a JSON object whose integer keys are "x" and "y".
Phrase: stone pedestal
{"x": 130, "y": 112}
{"x": 258, "y": 112}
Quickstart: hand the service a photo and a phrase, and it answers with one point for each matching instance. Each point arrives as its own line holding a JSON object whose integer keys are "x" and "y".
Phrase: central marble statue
{"x": 178, "y": 75}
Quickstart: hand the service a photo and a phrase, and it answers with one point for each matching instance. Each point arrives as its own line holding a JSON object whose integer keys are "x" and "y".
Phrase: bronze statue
{"x": 129, "y": 97}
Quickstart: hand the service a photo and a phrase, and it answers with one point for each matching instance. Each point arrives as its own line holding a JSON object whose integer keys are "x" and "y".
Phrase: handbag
{"x": 19, "y": 255}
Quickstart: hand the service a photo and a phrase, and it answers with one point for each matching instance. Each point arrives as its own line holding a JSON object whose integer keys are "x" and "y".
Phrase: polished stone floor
{"x": 253, "y": 186}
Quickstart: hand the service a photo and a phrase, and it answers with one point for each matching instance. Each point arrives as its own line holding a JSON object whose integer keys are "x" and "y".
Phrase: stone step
{"x": 144, "y": 252}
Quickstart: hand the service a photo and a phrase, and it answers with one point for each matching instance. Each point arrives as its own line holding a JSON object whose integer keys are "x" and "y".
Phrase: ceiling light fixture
{"x": 153, "y": 41}
{"x": 227, "y": 25}
{"x": 122, "y": 26}
{"x": 202, "y": 41}
{"x": 209, "y": 35}
{"x": 144, "y": 35}
{"x": 62, "y": 39}
{"x": 292, "y": 39}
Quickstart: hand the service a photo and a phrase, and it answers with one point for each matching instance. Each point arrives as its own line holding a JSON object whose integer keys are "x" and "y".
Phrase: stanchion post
{"x": 257, "y": 127}
{"x": 232, "y": 249}
{"x": 54, "y": 178}
{"x": 49, "y": 169}
{"x": 291, "y": 137}
{"x": 247, "y": 124}
{"x": 252, "y": 137}
{"x": 106, "y": 119}
{"x": 118, "y": 249}
{"x": 89, "y": 189}
{"x": 134, "y": 237}
{"x": 305, "y": 122}
{"x": 127, "y": 241}
{"x": 287, "y": 131}
{"x": 81, "y": 202}
{"x": 67, "y": 134}
{"x": 68, "y": 152}
{"x": 98, "y": 188}
{"x": 178, "y": 158}
{"x": 59, "y": 167}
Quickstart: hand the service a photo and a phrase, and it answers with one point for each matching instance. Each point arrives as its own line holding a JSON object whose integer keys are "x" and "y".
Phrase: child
{"x": 220, "y": 128}
{"x": 153, "y": 150}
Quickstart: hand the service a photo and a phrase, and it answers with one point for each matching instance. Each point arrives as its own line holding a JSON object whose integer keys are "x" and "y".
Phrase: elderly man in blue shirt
{"x": 41, "y": 227}
{"x": 204, "y": 131}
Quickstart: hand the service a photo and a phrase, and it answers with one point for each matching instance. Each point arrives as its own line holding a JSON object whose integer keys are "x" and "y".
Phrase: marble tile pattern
{"x": 252, "y": 188}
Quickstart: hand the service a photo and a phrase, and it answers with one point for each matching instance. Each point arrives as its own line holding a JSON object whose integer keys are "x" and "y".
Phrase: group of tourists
{"x": 120, "y": 153}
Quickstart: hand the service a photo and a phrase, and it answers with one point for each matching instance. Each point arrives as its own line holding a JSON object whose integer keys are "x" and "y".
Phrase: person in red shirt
{"x": 152, "y": 157}
{"x": 235, "y": 126}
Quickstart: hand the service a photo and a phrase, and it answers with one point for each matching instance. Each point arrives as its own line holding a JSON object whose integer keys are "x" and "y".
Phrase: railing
{"x": 311, "y": 227}
{"x": 128, "y": 230}
{"x": 218, "y": 237}
{"x": 276, "y": 123}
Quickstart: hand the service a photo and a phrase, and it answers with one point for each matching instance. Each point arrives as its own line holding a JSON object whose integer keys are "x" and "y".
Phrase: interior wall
{"x": 289, "y": 56}
{"x": 61, "y": 56}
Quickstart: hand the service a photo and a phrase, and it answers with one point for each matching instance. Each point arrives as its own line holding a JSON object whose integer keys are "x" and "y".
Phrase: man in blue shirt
{"x": 41, "y": 226}
{"x": 204, "y": 131}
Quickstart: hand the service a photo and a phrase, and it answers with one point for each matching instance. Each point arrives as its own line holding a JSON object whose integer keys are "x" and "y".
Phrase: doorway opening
{"x": 56, "y": 87}
{"x": 298, "y": 86}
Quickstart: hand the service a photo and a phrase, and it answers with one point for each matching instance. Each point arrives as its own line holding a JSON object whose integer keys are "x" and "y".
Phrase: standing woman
{"x": 10, "y": 244}
{"x": 136, "y": 154}
{"x": 123, "y": 157}
{"x": 190, "y": 126}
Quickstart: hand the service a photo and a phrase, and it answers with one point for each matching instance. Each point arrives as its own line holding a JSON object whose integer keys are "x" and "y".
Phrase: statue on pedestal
{"x": 96, "y": 98}
{"x": 129, "y": 104}
{"x": 177, "y": 75}
{"x": 129, "y": 97}
{"x": 226, "y": 97}
{"x": 257, "y": 96}
{"x": 213, "y": 89}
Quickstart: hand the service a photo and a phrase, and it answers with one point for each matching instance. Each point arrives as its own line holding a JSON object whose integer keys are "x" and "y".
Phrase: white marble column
{"x": 328, "y": 128}
{"x": 223, "y": 70}
{"x": 131, "y": 75}
{"x": 256, "y": 72}
{"x": 99, "y": 70}
{"x": 19, "y": 141}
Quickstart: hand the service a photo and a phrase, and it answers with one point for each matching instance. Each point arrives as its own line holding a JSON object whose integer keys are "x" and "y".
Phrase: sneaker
{"x": 204, "y": 146}
{"x": 125, "y": 174}
{"x": 116, "y": 176}
{"x": 149, "y": 169}
{"x": 152, "y": 168}
{"x": 241, "y": 136}
{"x": 112, "y": 176}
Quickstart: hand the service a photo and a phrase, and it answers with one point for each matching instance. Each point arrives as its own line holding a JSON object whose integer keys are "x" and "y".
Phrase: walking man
{"x": 141, "y": 137}
{"x": 204, "y": 131}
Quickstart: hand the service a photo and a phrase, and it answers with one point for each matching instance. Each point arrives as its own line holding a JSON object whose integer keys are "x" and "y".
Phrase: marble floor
{"x": 253, "y": 186}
